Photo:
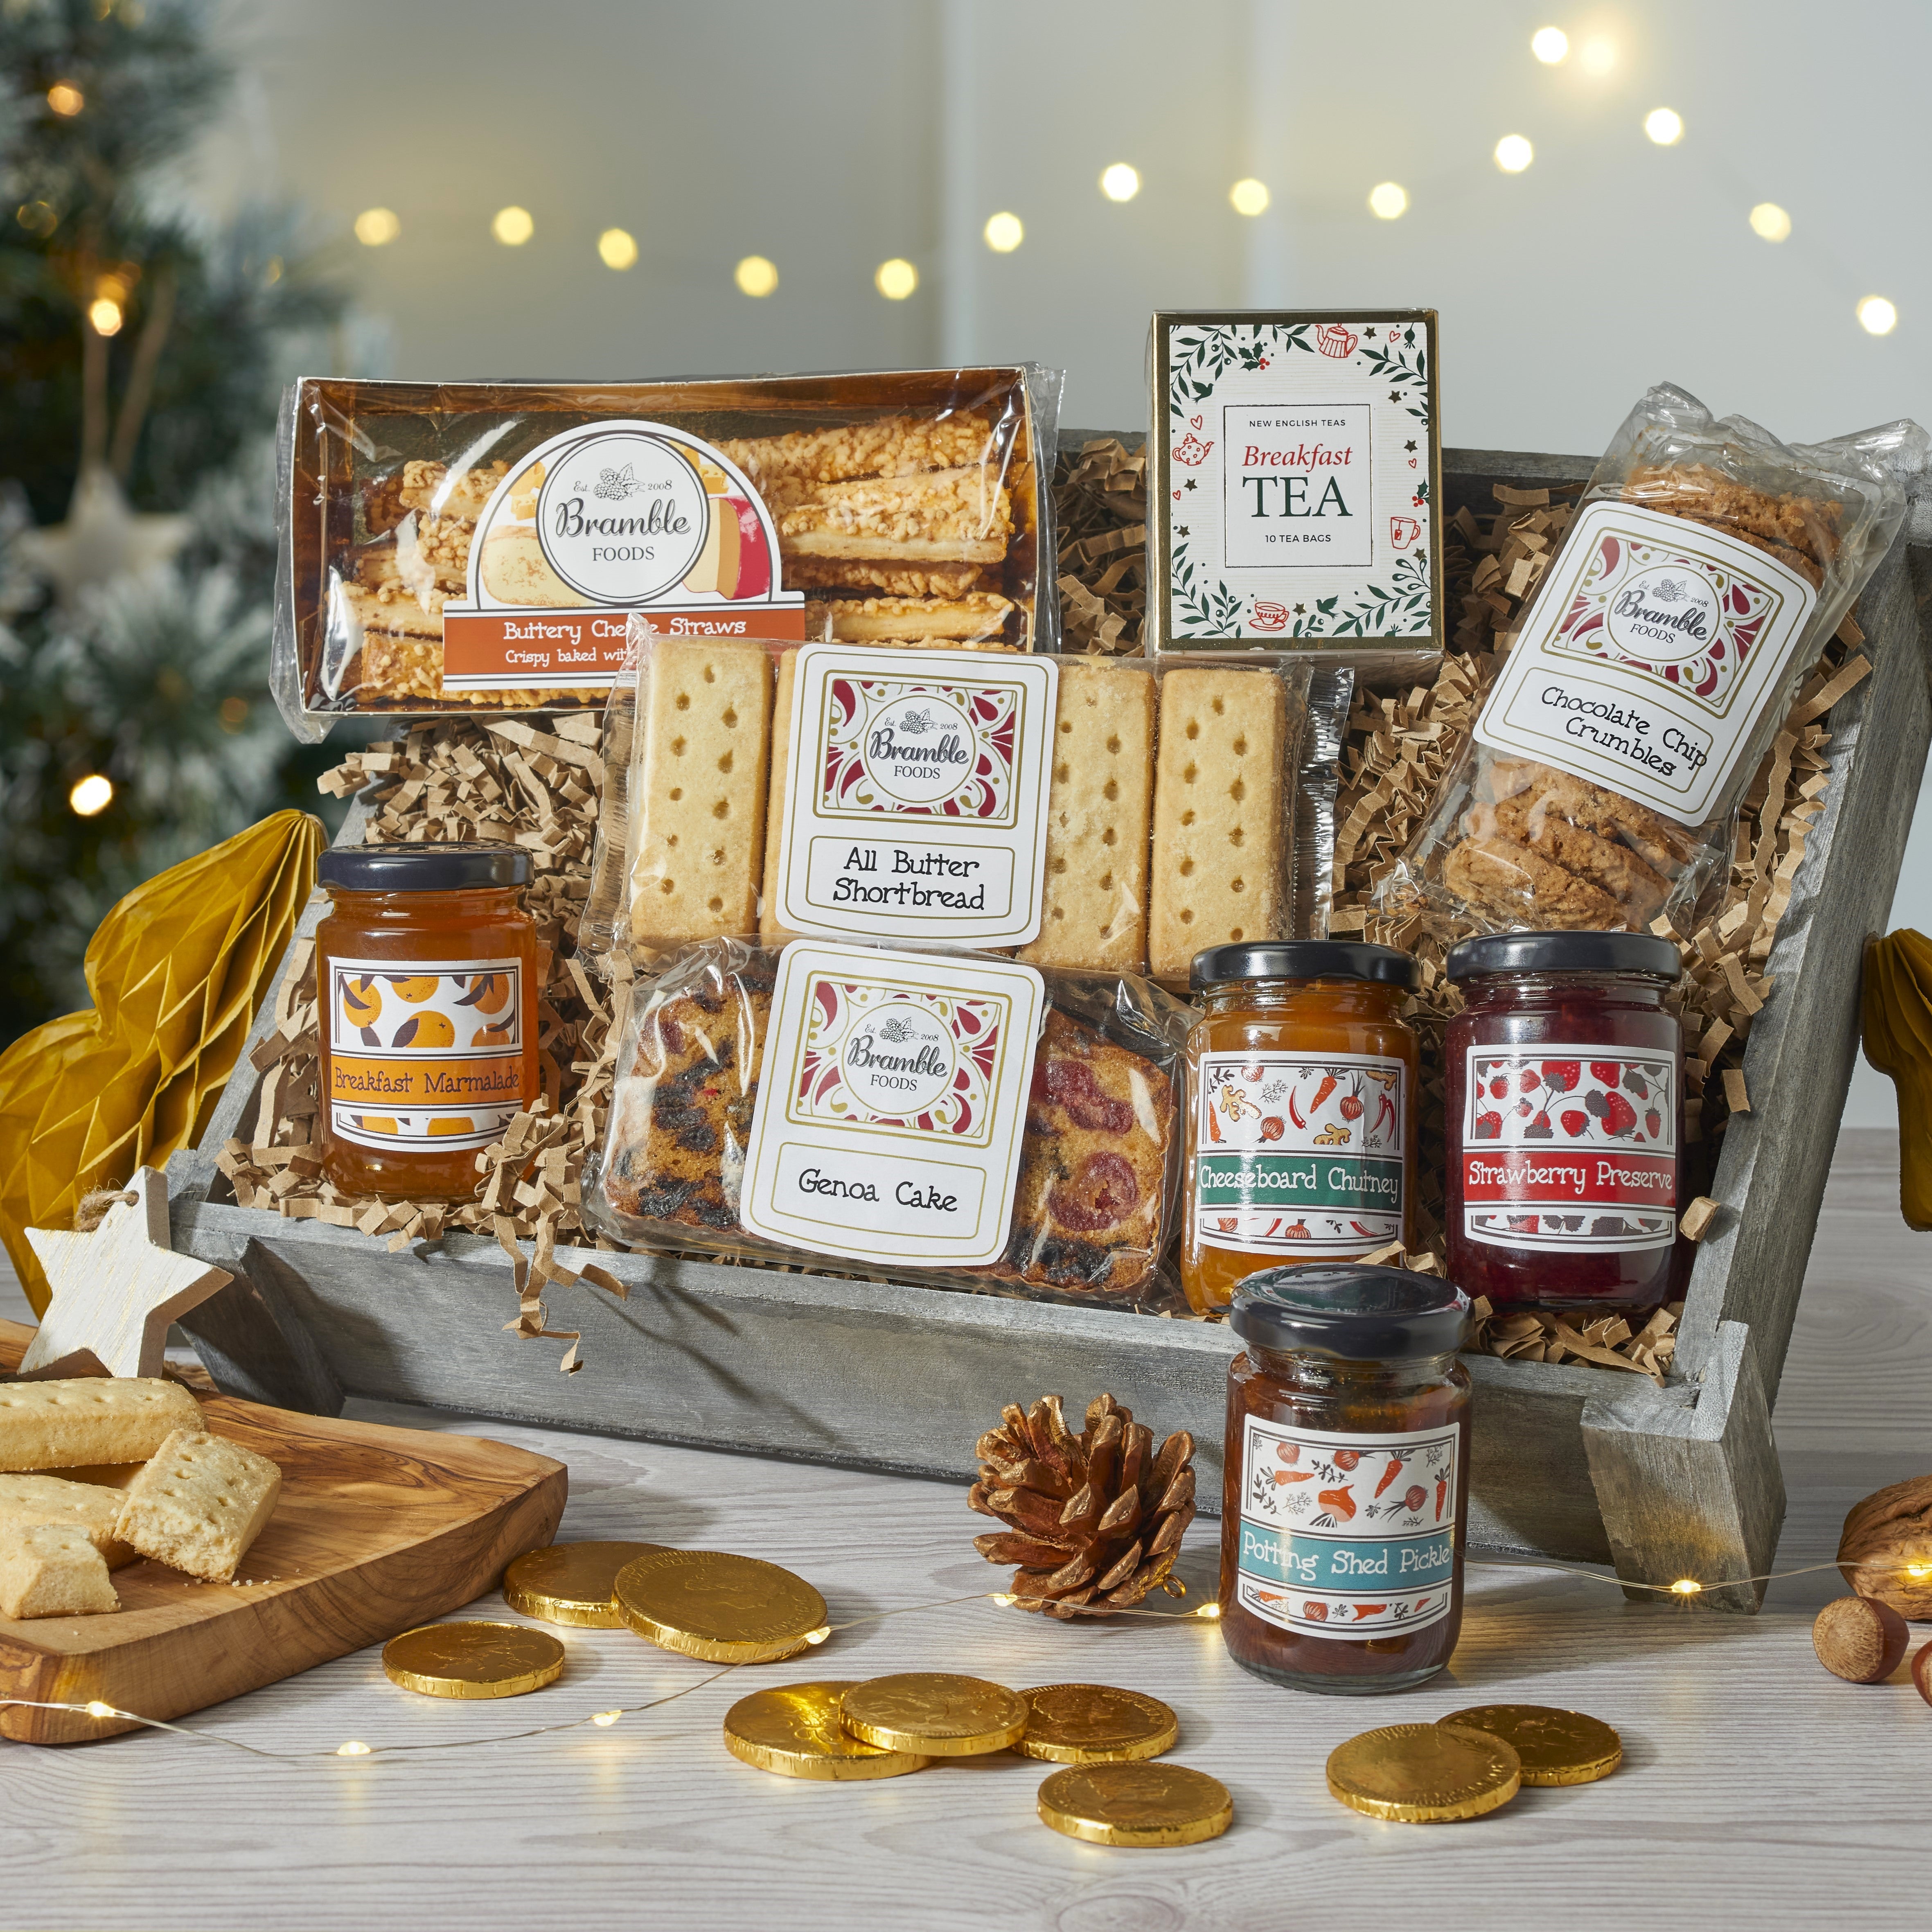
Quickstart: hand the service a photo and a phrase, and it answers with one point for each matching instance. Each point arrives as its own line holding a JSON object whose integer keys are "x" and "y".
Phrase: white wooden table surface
{"x": 1756, "y": 1789}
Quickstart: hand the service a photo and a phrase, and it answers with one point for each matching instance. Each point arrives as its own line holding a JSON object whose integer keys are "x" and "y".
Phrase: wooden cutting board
{"x": 377, "y": 1530}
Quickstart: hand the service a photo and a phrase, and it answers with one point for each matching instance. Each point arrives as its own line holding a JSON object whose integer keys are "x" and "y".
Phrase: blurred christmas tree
{"x": 141, "y": 355}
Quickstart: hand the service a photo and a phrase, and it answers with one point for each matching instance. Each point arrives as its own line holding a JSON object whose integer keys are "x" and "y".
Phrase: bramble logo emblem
{"x": 618, "y": 484}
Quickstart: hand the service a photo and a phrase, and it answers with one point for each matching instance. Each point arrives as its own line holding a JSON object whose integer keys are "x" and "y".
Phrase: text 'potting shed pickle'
{"x": 1301, "y": 1095}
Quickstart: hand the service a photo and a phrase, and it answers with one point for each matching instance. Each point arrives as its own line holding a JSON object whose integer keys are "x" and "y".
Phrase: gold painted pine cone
{"x": 1096, "y": 1519}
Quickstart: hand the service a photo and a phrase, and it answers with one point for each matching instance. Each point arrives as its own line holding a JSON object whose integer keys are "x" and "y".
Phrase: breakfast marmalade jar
{"x": 1345, "y": 1483}
{"x": 1564, "y": 1121}
{"x": 1301, "y": 1087}
{"x": 426, "y": 979}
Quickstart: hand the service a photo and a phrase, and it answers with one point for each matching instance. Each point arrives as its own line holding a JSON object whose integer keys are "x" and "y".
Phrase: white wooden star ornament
{"x": 115, "y": 1290}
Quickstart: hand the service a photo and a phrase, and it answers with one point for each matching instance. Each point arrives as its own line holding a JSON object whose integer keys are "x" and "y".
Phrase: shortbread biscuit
{"x": 199, "y": 1504}
{"x": 51, "y": 1425}
{"x": 52, "y": 1570}
{"x": 699, "y": 810}
{"x": 1612, "y": 868}
{"x": 1510, "y": 883}
{"x": 27, "y": 1501}
{"x": 1217, "y": 815}
{"x": 1094, "y": 909}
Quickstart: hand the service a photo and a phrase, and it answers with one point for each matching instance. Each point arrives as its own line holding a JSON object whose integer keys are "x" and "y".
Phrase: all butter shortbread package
{"x": 1706, "y": 566}
{"x": 957, "y": 1119}
{"x": 458, "y": 547}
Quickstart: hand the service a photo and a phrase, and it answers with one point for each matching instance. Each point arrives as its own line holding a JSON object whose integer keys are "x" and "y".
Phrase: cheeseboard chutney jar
{"x": 1564, "y": 1121}
{"x": 1345, "y": 1469}
{"x": 1301, "y": 1082}
{"x": 426, "y": 977}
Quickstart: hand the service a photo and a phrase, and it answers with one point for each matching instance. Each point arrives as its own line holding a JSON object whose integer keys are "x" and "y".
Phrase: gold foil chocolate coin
{"x": 935, "y": 1714}
{"x": 1423, "y": 1773}
{"x": 570, "y": 1582}
{"x": 473, "y": 1660}
{"x": 794, "y": 1732}
{"x": 725, "y": 1609}
{"x": 1094, "y": 1723}
{"x": 1136, "y": 1805}
{"x": 1556, "y": 1747}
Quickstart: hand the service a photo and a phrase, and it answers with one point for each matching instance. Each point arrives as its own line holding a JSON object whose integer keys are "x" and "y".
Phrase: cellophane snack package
{"x": 1095, "y": 1187}
{"x": 1706, "y": 566}
{"x": 480, "y": 547}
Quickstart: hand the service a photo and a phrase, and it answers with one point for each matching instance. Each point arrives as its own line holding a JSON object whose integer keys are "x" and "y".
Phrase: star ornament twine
{"x": 116, "y": 1290}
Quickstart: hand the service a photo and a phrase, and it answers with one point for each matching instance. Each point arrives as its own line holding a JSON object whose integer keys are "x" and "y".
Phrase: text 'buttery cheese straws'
{"x": 480, "y": 547}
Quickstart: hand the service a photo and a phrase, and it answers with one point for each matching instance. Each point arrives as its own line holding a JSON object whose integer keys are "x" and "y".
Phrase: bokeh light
{"x": 1388, "y": 199}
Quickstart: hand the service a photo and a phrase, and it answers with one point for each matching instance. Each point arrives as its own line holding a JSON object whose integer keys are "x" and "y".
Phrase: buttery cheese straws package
{"x": 486, "y": 547}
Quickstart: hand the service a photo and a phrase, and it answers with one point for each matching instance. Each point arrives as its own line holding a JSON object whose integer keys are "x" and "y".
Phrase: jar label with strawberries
{"x": 1570, "y": 1146}
{"x": 1295, "y": 1155}
{"x": 1347, "y": 1535}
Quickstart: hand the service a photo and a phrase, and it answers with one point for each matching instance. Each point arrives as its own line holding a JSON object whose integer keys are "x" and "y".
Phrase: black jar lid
{"x": 1564, "y": 953}
{"x": 1351, "y": 1310}
{"x": 423, "y": 868}
{"x": 1304, "y": 959}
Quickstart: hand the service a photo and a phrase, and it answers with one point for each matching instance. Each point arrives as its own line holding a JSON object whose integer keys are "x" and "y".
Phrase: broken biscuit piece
{"x": 199, "y": 1504}
{"x": 27, "y": 1501}
{"x": 52, "y": 1569}
{"x": 1507, "y": 882}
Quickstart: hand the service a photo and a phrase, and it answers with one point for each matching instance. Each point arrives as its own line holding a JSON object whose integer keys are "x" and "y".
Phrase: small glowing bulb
{"x": 605, "y": 1719}
{"x": 98, "y": 1709}
{"x": 1599, "y": 55}
{"x": 1208, "y": 1613}
{"x": 1514, "y": 153}
{"x": 617, "y": 247}
{"x": 513, "y": 226}
{"x": 1388, "y": 199}
{"x": 1665, "y": 126}
{"x": 1004, "y": 1597}
{"x": 377, "y": 227}
{"x": 355, "y": 1747}
{"x": 91, "y": 795}
{"x": 1770, "y": 221}
{"x": 104, "y": 313}
{"x": 1003, "y": 233}
{"x": 1917, "y": 1570}
{"x": 1120, "y": 182}
{"x": 1878, "y": 315}
{"x": 818, "y": 1636}
{"x": 896, "y": 279}
{"x": 1686, "y": 1586}
{"x": 1249, "y": 196}
{"x": 1550, "y": 44}
{"x": 66, "y": 101}
{"x": 755, "y": 276}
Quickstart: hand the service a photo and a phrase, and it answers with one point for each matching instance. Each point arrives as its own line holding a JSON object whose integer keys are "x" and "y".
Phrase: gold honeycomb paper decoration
{"x": 176, "y": 971}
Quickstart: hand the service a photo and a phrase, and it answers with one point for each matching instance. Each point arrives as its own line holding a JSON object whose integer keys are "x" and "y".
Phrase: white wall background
{"x": 831, "y": 136}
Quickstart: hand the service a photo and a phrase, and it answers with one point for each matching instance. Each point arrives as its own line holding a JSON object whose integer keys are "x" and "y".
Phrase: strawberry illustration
{"x": 1529, "y": 1079}
{"x": 1574, "y": 1120}
{"x": 1524, "y": 1108}
{"x": 1563, "y": 1074}
{"x": 1498, "y": 1089}
{"x": 1619, "y": 1116}
{"x": 1489, "y": 1127}
{"x": 1413, "y": 1497}
{"x": 1606, "y": 1071}
{"x": 1653, "y": 1123}
{"x": 1636, "y": 1083}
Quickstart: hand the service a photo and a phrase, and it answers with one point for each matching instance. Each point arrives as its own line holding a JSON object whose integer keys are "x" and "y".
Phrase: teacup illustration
{"x": 1403, "y": 531}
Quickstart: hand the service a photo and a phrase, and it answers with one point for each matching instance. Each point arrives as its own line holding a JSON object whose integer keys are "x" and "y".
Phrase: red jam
{"x": 1564, "y": 1121}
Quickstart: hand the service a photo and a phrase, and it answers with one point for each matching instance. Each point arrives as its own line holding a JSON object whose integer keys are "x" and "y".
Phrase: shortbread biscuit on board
{"x": 52, "y": 1570}
{"x": 1218, "y": 813}
{"x": 700, "y": 808}
{"x": 1094, "y": 913}
{"x": 199, "y": 1504}
{"x": 26, "y": 1501}
{"x": 53, "y": 1425}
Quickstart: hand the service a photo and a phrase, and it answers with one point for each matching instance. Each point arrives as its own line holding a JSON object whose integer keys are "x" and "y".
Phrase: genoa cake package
{"x": 487, "y": 547}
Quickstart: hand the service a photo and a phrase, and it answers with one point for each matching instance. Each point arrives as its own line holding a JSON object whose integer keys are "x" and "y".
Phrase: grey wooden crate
{"x": 1573, "y": 1462}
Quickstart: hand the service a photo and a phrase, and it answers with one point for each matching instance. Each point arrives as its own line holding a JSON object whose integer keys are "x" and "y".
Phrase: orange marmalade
{"x": 1301, "y": 1095}
{"x": 426, "y": 980}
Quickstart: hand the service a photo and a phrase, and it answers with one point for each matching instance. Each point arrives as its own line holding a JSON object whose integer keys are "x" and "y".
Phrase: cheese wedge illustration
{"x": 715, "y": 572}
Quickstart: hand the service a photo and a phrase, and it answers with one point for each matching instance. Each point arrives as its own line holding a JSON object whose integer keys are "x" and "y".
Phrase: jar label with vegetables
{"x": 427, "y": 1055}
{"x": 1570, "y": 1146}
{"x": 1347, "y": 1535}
{"x": 1296, "y": 1155}
{"x": 1647, "y": 659}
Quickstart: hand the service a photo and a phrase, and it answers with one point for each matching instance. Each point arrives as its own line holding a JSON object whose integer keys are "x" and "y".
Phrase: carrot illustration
{"x": 1441, "y": 1493}
{"x": 1214, "y": 1132}
{"x": 1389, "y": 1475}
{"x": 1294, "y": 1475}
{"x": 1321, "y": 1092}
{"x": 1340, "y": 1501}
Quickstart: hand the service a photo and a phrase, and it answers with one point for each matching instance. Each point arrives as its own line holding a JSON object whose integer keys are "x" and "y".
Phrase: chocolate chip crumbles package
{"x": 1706, "y": 567}
{"x": 960, "y": 1120}
{"x": 459, "y": 547}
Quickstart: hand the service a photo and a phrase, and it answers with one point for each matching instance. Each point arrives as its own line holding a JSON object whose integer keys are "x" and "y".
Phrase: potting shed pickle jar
{"x": 1564, "y": 1121}
{"x": 426, "y": 977}
{"x": 1345, "y": 1492}
{"x": 1301, "y": 1086}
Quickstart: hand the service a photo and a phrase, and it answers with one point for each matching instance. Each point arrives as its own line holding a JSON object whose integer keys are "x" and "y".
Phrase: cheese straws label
{"x": 891, "y": 1104}
{"x": 1296, "y": 457}
{"x": 915, "y": 787}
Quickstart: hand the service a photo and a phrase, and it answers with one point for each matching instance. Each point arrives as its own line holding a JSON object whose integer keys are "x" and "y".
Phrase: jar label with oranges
{"x": 425, "y": 1055}
{"x": 1296, "y": 1156}
{"x": 1347, "y": 1535}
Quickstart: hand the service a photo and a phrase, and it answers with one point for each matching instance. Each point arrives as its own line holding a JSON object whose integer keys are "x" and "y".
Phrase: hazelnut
{"x": 1921, "y": 1671}
{"x": 1886, "y": 1549}
{"x": 1860, "y": 1639}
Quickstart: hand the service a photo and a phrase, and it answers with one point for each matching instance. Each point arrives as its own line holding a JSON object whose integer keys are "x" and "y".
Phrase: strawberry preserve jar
{"x": 1564, "y": 1121}
{"x": 1345, "y": 1483}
